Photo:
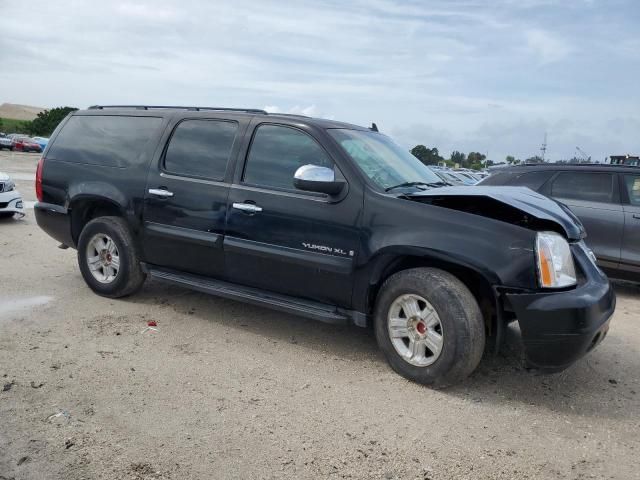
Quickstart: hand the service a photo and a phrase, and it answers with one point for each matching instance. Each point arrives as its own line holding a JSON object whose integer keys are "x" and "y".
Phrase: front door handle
{"x": 247, "y": 207}
{"x": 160, "y": 192}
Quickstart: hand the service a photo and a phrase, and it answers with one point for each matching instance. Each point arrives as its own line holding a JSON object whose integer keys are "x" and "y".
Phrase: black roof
{"x": 162, "y": 110}
{"x": 599, "y": 167}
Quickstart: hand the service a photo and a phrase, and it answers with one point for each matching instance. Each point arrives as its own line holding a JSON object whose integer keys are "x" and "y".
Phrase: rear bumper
{"x": 558, "y": 328}
{"x": 55, "y": 221}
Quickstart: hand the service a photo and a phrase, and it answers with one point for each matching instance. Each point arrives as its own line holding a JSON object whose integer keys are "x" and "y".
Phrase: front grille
{"x": 4, "y": 204}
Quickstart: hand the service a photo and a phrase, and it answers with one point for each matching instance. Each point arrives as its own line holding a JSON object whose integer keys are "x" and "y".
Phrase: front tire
{"x": 429, "y": 327}
{"x": 108, "y": 258}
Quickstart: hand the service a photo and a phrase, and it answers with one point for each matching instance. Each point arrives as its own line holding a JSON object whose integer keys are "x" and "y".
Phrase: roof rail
{"x": 174, "y": 107}
{"x": 288, "y": 114}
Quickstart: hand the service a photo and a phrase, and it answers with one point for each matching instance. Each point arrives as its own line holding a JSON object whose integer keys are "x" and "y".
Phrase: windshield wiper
{"x": 414, "y": 184}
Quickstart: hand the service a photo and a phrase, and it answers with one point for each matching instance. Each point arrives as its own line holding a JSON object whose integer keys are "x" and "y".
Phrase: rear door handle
{"x": 247, "y": 207}
{"x": 160, "y": 192}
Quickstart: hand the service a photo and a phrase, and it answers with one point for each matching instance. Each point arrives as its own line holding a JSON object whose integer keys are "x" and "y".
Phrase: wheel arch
{"x": 85, "y": 208}
{"x": 478, "y": 280}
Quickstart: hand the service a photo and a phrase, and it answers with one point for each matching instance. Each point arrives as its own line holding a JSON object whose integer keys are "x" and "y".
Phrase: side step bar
{"x": 283, "y": 303}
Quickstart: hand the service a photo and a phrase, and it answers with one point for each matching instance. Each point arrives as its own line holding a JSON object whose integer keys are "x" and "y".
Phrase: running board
{"x": 284, "y": 303}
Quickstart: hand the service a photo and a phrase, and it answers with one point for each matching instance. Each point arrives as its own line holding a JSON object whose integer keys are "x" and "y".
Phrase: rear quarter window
{"x": 112, "y": 141}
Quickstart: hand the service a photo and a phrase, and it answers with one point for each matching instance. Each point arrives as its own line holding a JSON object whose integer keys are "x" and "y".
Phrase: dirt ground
{"x": 225, "y": 390}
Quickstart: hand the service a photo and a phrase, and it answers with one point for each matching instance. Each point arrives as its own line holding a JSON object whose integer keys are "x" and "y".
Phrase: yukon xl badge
{"x": 326, "y": 249}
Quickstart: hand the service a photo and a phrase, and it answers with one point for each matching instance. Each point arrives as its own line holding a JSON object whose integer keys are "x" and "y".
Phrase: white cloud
{"x": 432, "y": 71}
{"x": 547, "y": 47}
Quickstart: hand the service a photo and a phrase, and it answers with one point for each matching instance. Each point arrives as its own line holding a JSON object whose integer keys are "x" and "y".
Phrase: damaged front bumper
{"x": 560, "y": 327}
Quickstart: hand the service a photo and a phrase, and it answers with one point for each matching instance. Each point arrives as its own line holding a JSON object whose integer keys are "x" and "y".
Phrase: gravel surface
{"x": 225, "y": 390}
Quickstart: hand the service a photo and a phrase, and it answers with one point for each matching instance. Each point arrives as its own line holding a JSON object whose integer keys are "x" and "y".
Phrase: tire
{"x": 99, "y": 275}
{"x": 451, "y": 311}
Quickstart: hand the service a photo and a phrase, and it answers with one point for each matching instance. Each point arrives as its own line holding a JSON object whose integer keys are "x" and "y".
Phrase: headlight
{"x": 555, "y": 262}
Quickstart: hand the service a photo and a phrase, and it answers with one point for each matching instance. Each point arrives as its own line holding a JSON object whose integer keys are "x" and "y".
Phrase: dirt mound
{"x": 19, "y": 112}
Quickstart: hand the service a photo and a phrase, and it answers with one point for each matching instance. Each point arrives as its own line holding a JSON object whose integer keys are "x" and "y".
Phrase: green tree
{"x": 47, "y": 121}
{"x": 428, "y": 156}
{"x": 458, "y": 157}
{"x": 475, "y": 160}
{"x": 1, "y": 125}
{"x": 510, "y": 159}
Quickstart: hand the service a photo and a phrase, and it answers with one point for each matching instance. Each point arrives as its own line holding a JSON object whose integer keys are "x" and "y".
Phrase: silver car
{"x": 606, "y": 199}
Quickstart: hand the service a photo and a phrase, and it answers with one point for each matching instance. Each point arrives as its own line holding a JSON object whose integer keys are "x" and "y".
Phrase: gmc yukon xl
{"x": 326, "y": 220}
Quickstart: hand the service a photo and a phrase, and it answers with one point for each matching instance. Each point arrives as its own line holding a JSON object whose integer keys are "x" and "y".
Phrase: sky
{"x": 471, "y": 75}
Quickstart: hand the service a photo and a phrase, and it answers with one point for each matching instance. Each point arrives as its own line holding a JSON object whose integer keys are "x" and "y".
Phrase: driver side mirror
{"x": 314, "y": 178}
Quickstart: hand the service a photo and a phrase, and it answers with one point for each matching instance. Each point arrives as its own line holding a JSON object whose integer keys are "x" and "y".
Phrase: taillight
{"x": 39, "y": 179}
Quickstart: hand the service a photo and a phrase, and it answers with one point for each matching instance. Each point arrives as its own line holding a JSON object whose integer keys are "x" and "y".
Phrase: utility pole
{"x": 543, "y": 149}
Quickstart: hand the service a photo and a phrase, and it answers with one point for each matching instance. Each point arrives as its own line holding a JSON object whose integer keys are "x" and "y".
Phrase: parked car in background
{"x": 470, "y": 177}
{"x": 606, "y": 199}
{"x": 42, "y": 141}
{"x": 455, "y": 178}
{"x": 25, "y": 144}
{"x": 5, "y": 141}
{"x": 10, "y": 199}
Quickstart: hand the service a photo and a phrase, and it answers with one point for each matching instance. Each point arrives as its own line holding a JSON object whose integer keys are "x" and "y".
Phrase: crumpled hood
{"x": 523, "y": 199}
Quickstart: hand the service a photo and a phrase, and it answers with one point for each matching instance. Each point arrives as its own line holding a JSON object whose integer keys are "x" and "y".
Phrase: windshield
{"x": 385, "y": 162}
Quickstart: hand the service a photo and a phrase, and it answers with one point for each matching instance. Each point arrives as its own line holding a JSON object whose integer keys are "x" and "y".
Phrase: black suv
{"x": 606, "y": 199}
{"x": 323, "y": 219}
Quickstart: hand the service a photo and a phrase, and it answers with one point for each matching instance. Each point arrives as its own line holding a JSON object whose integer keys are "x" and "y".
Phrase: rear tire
{"x": 108, "y": 258}
{"x": 443, "y": 317}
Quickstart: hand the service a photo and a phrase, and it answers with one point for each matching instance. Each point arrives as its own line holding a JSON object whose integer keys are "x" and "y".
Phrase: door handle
{"x": 637, "y": 216}
{"x": 160, "y": 192}
{"x": 247, "y": 207}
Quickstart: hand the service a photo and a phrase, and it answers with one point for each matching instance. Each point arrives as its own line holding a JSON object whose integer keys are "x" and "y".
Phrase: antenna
{"x": 543, "y": 148}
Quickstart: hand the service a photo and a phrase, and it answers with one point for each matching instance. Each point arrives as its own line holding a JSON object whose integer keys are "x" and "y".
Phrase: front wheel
{"x": 108, "y": 258}
{"x": 429, "y": 326}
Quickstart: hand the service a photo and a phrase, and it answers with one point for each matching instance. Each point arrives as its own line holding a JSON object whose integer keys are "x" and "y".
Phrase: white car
{"x": 10, "y": 199}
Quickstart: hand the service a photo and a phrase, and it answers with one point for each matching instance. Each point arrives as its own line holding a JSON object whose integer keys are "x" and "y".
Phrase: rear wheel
{"x": 108, "y": 258}
{"x": 429, "y": 326}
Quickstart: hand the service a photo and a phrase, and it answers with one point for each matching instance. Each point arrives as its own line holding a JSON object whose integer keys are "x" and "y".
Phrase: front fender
{"x": 496, "y": 252}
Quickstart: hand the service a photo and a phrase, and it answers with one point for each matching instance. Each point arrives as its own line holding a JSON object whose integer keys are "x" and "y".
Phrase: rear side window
{"x": 591, "y": 187}
{"x": 277, "y": 152}
{"x": 113, "y": 141}
{"x": 533, "y": 180}
{"x": 201, "y": 148}
{"x": 632, "y": 182}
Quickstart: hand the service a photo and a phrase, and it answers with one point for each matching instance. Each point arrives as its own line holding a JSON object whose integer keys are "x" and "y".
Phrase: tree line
{"x": 472, "y": 160}
{"x": 43, "y": 125}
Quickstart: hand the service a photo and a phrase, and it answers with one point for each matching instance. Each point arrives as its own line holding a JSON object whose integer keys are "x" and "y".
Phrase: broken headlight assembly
{"x": 554, "y": 261}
